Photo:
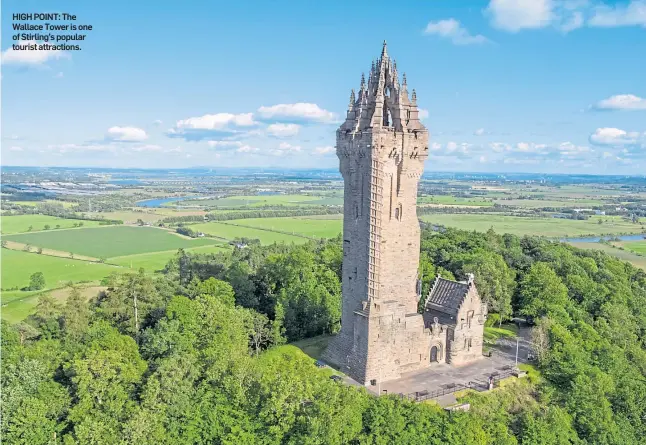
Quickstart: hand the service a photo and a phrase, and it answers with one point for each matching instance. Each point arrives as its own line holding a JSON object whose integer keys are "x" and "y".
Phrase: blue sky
{"x": 507, "y": 85}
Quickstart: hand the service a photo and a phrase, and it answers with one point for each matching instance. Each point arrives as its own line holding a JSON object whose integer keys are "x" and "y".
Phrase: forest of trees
{"x": 198, "y": 354}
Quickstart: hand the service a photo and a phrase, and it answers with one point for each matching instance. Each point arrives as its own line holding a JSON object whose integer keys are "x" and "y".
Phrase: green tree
{"x": 542, "y": 292}
{"x": 75, "y": 315}
{"x": 494, "y": 279}
{"x": 37, "y": 281}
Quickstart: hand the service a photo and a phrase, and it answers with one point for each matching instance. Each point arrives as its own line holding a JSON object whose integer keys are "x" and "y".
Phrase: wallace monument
{"x": 382, "y": 146}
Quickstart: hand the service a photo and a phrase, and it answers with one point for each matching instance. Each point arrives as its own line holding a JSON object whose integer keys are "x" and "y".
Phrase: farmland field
{"x": 21, "y": 223}
{"x": 109, "y": 241}
{"x": 320, "y": 228}
{"x": 17, "y": 267}
{"x": 452, "y": 200}
{"x": 636, "y": 246}
{"x": 230, "y": 232}
{"x": 155, "y": 261}
{"x": 18, "y": 309}
{"x": 625, "y": 255}
{"x": 550, "y": 227}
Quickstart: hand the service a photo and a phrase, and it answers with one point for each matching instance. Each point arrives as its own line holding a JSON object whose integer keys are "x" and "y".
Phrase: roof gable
{"x": 447, "y": 296}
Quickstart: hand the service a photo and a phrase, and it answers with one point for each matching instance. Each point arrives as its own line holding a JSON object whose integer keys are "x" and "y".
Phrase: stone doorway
{"x": 435, "y": 351}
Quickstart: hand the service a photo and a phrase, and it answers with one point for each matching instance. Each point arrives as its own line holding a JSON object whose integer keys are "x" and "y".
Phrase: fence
{"x": 477, "y": 385}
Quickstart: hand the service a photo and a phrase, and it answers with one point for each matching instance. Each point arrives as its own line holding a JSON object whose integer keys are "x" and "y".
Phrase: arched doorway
{"x": 435, "y": 352}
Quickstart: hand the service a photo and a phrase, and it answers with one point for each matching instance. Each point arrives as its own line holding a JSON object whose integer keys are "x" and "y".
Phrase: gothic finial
{"x": 404, "y": 80}
{"x": 414, "y": 96}
{"x": 383, "y": 51}
{"x": 363, "y": 81}
{"x": 352, "y": 99}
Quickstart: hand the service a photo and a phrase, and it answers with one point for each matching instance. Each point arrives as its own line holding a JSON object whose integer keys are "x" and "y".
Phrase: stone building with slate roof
{"x": 382, "y": 146}
{"x": 455, "y": 315}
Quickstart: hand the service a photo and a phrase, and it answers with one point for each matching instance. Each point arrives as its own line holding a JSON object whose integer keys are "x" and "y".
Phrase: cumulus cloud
{"x": 15, "y": 148}
{"x": 301, "y": 112}
{"x": 423, "y": 114}
{"x": 564, "y": 15}
{"x": 453, "y": 30}
{"x": 621, "y": 102}
{"x": 514, "y": 15}
{"x": 148, "y": 147}
{"x": 622, "y": 14}
{"x": 202, "y": 127}
{"x": 247, "y": 149}
{"x": 283, "y": 130}
{"x": 617, "y": 137}
{"x": 126, "y": 134}
{"x": 224, "y": 144}
{"x": 325, "y": 150}
{"x": 32, "y": 57}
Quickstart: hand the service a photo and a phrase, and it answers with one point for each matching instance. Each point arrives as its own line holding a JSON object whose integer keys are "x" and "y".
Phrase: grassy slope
{"x": 21, "y": 223}
{"x": 109, "y": 241}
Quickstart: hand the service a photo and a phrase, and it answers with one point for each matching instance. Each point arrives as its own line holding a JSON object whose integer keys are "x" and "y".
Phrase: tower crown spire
{"x": 382, "y": 101}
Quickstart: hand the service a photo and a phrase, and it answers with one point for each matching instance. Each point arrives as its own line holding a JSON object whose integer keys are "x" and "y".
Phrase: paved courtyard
{"x": 441, "y": 375}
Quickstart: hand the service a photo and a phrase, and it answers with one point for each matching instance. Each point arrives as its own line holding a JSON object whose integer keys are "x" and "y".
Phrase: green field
{"x": 636, "y": 246}
{"x": 230, "y": 232}
{"x": 155, "y": 261}
{"x": 625, "y": 255}
{"x": 17, "y": 267}
{"x": 319, "y": 228}
{"x": 259, "y": 201}
{"x": 109, "y": 241}
{"x": 452, "y": 200}
{"x": 21, "y": 223}
{"x": 550, "y": 227}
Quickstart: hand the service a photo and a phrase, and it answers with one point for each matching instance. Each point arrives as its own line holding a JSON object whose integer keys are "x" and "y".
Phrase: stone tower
{"x": 382, "y": 146}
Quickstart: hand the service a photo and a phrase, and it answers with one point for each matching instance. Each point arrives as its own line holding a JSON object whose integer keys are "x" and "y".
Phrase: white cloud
{"x": 15, "y": 148}
{"x": 631, "y": 14}
{"x": 148, "y": 147}
{"x": 289, "y": 147}
{"x": 126, "y": 134}
{"x": 616, "y": 137}
{"x": 514, "y": 15}
{"x": 210, "y": 125}
{"x": 324, "y": 150}
{"x": 299, "y": 111}
{"x": 452, "y": 30}
{"x": 423, "y": 114}
{"x": 479, "y": 132}
{"x": 219, "y": 121}
{"x": 622, "y": 102}
{"x": 31, "y": 57}
{"x": 283, "y": 130}
{"x": 483, "y": 159}
{"x": 215, "y": 144}
{"x": 247, "y": 149}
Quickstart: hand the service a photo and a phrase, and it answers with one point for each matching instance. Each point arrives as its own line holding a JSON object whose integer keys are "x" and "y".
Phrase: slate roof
{"x": 446, "y": 295}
